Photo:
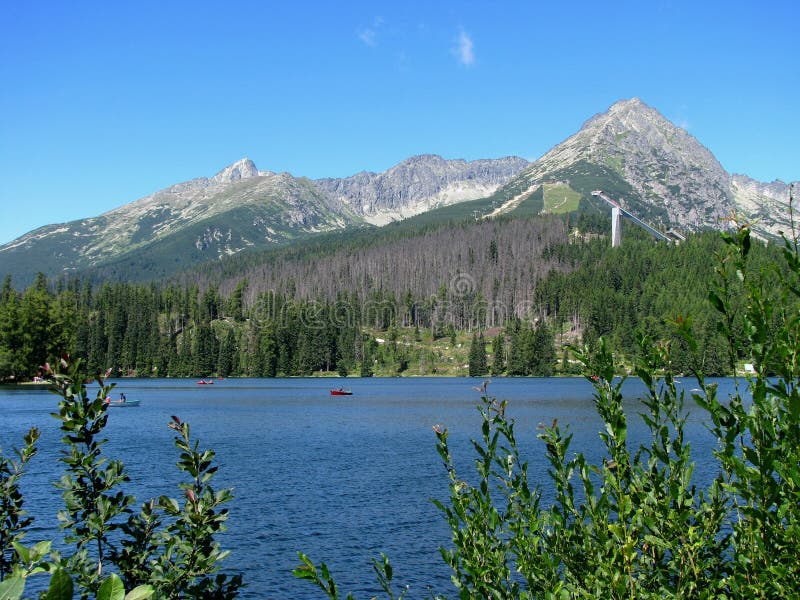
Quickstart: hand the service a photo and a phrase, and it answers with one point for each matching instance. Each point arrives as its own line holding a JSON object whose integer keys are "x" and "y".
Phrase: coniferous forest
{"x": 503, "y": 297}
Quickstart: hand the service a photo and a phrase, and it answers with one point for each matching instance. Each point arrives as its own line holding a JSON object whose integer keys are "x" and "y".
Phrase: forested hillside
{"x": 411, "y": 301}
{"x": 496, "y": 263}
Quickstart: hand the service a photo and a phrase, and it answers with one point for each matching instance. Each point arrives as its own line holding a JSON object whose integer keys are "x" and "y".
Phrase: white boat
{"x": 122, "y": 403}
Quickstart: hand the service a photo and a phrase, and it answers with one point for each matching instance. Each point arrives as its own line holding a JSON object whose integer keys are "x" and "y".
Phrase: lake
{"x": 341, "y": 478}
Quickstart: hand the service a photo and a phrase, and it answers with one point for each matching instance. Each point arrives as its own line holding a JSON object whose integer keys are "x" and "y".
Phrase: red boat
{"x": 341, "y": 392}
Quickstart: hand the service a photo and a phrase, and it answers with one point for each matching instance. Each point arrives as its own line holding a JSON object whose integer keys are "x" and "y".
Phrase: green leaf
{"x": 41, "y": 549}
{"x": 141, "y": 592}
{"x": 11, "y": 588}
{"x": 111, "y": 589}
{"x": 23, "y": 552}
{"x": 716, "y": 301}
{"x": 60, "y": 587}
{"x": 745, "y": 242}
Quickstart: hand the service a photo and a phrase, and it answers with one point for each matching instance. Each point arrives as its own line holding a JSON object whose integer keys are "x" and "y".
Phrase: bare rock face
{"x": 670, "y": 171}
{"x": 242, "y": 169}
{"x": 765, "y": 203}
{"x": 419, "y": 184}
{"x": 666, "y": 165}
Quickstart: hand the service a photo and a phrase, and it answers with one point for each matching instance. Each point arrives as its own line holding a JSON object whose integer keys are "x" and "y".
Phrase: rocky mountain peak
{"x": 421, "y": 159}
{"x": 631, "y": 104}
{"x": 663, "y": 163}
{"x": 241, "y": 169}
{"x": 418, "y": 184}
{"x": 633, "y": 117}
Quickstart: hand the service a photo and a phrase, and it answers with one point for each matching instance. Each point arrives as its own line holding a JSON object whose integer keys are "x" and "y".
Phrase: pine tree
{"x": 499, "y": 351}
{"x": 183, "y": 358}
{"x": 34, "y": 325}
{"x": 543, "y": 351}
{"x": 235, "y": 302}
{"x": 269, "y": 365}
{"x": 205, "y": 351}
{"x": 516, "y": 356}
{"x": 9, "y": 330}
{"x": 477, "y": 356}
{"x": 366, "y": 358}
{"x": 227, "y": 350}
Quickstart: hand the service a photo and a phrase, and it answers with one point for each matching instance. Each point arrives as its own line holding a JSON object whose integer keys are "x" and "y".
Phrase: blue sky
{"x": 102, "y": 103}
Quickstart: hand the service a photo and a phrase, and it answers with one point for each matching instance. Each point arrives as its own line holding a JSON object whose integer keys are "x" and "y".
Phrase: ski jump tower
{"x": 617, "y": 212}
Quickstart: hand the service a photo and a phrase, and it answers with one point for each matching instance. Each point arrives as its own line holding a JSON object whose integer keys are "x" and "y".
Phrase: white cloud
{"x": 369, "y": 35}
{"x": 682, "y": 120}
{"x": 463, "y": 50}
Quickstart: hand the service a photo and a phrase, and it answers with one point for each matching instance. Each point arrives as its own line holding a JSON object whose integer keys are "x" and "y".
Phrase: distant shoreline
{"x": 27, "y": 385}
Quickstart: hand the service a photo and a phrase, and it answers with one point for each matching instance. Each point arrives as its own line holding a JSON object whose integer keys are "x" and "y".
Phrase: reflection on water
{"x": 341, "y": 478}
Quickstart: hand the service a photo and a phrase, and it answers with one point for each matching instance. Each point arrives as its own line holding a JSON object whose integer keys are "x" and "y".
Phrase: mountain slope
{"x": 419, "y": 184}
{"x": 202, "y": 219}
{"x": 655, "y": 169}
{"x": 243, "y": 208}
{"x": 763, "y": 202}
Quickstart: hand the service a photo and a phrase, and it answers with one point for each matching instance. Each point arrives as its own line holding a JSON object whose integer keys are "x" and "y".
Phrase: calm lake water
{"x": 341, "y": 478}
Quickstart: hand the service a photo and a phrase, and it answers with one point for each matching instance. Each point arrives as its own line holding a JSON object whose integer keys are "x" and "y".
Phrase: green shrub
{"x": 167, "y": 550}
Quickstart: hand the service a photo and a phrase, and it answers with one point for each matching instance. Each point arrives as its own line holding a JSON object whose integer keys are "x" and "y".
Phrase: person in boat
{"x": 122, "y": 397}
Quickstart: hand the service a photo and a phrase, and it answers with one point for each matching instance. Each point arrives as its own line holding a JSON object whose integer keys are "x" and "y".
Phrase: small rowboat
{"x": 122, "y": 403}
{"x": 204, "y": 382}
{"x": 341, "y": 392}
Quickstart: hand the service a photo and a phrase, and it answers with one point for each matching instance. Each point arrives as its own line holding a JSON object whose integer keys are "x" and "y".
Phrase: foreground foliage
{"x": 637, "y": 524}
{"x": 166, "y": 550}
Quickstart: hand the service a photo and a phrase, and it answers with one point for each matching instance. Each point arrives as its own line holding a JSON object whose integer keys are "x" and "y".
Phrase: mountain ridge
{"x": 238, "y": 208}
{"x": 654, "y": 168}
{"x": 624, "y": 139}
{"x": 419, "y": 183}
{"x": 675, "y": 180}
